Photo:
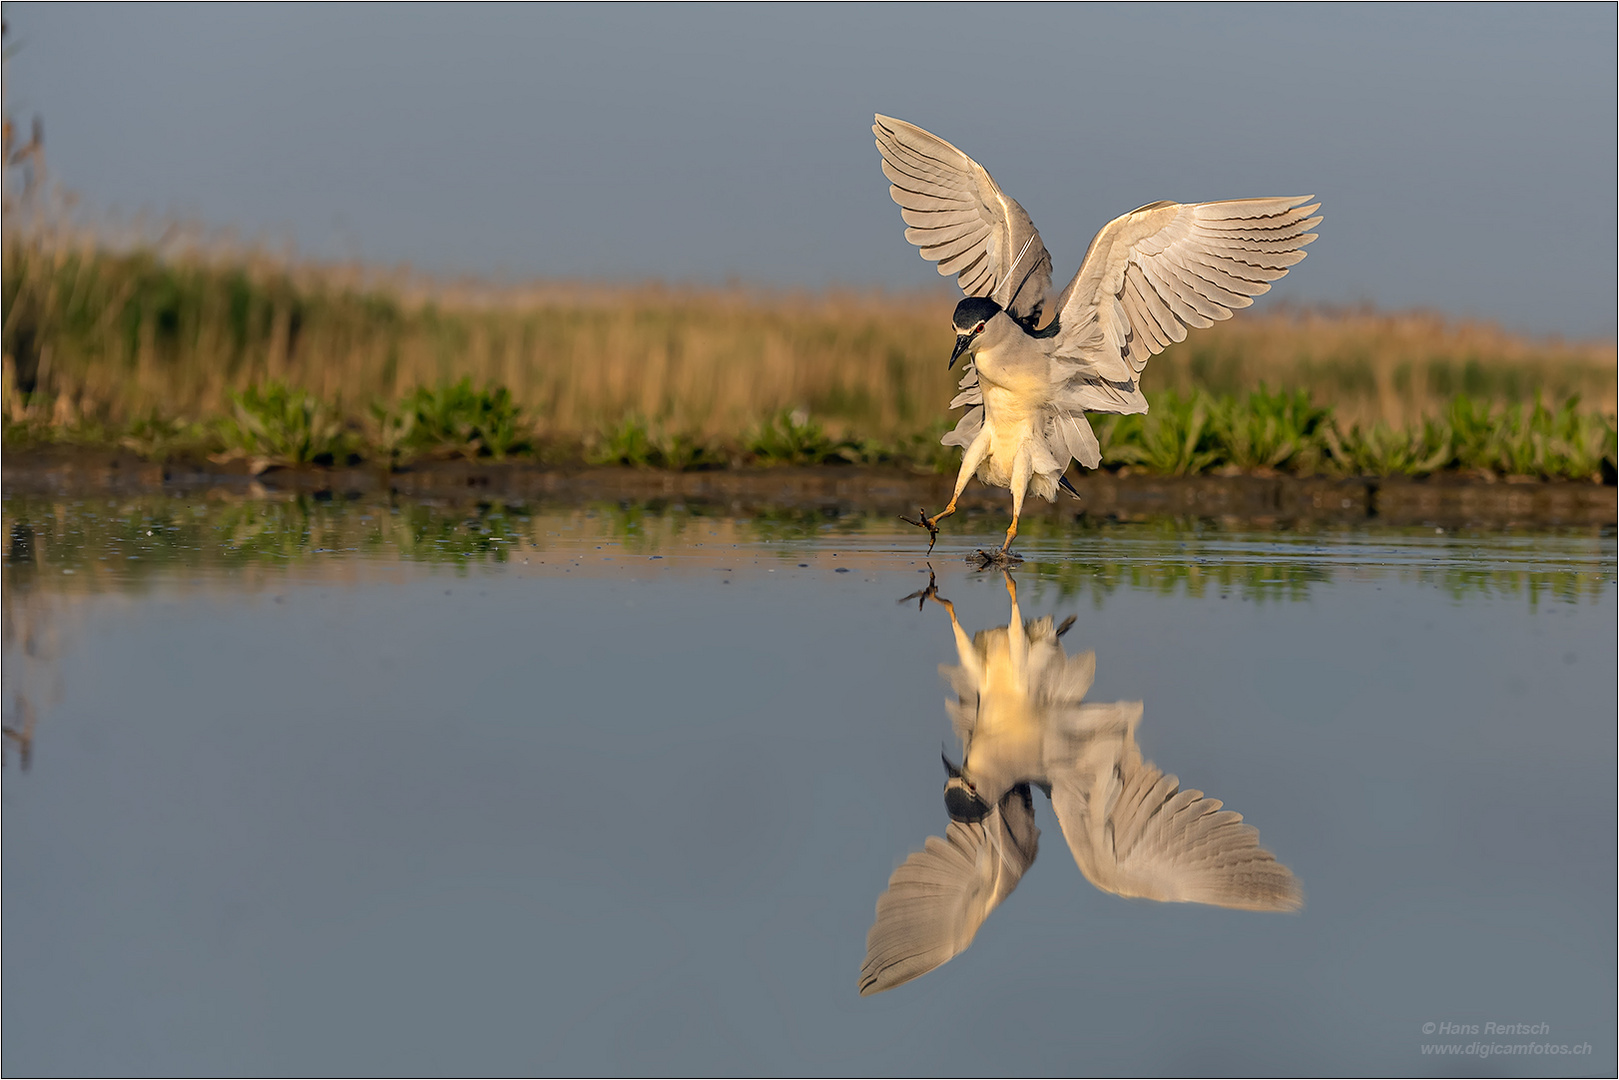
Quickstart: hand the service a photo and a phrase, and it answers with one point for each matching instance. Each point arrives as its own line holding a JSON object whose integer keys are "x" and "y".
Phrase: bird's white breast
{"x": 1015, "y": 376}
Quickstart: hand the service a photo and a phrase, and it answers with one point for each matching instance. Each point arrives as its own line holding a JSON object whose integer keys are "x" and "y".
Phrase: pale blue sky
{"x": 1465, "y": 156}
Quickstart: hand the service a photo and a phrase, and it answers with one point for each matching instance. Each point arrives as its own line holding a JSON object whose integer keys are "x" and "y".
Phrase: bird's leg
{"x": 1020, "y": 488}
{"x": 974, "y": 457}
{"x": 1010, "y": 533}
{"x": 1003, "y": 556}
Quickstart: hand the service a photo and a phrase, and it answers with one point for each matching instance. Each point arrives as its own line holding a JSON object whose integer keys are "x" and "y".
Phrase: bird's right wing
{"x": 1156, "y": 271}
{"x": 1135, "y": 832}
{"x": 963, "y": 221}
{"x": 941, "y": 895}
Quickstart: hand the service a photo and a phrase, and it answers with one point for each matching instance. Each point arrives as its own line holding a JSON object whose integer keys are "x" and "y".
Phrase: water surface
{"x": 368, "y": 787}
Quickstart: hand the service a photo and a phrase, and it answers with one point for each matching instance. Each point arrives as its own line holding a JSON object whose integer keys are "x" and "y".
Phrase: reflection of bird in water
{"x": 1132, "y": 829}
{"x": 1146, "y": 278}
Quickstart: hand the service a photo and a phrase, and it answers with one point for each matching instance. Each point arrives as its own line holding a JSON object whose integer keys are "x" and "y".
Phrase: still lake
{"x": 385, "y": 787}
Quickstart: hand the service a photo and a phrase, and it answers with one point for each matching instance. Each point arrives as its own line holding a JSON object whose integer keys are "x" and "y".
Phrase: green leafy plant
{"x": 629, "y": 442}
{"x": 685, "y": 452}
{"x": 158, "y": 438}
{"x": 452, "y": 419}
{"x": 791, "y": 438}
{"x": 1172, "y": 438}
{"x": 1270, "y": 431}
{"x": 274, "y": 424}
{"x": 1532, "y": 440}
{"x": 635, "y": 441}
{"x": 1381, "y": 450}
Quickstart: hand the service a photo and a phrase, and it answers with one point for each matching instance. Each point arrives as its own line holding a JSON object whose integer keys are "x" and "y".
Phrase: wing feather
{"x": 1170, "y": 329}
{"x": 1202, "y": 282}
{"x": 941, "y": 219}
{"x": 941, "y": 895}
{"x": 977, "y": 281}
{"x": 1227, "y": 273}
{"x": 1143, "y": 314}
{"x": 1176, "y": 294}
{"x": 1168, "y": 267}
{"x": 1135, "y": 831}
{"x": 993, "y": 248}
{"x": 962, "y": 260}
{"x": 941, "y": 249}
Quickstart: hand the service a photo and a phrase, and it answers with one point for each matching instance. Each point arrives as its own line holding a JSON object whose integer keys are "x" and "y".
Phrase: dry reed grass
{"x": 103, "y": 332}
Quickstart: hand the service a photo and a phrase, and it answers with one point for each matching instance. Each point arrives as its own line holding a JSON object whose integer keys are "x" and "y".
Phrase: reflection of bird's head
{"x": 961, "y": 800}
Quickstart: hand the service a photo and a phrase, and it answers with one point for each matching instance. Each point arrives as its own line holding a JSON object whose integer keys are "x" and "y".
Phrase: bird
{"x": 1019, "y": 711}
{"x": 1147, "y": 278}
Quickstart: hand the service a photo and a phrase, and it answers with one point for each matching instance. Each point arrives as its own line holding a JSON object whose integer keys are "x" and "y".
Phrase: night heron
{"x": 1134, "y": 831}
{"x": 1147, "y": 277}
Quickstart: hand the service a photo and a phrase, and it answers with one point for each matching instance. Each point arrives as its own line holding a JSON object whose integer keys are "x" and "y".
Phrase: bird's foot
{"x": 999, "y": 559}
{"x": 931, "y": 524}
{"x": 922, "y": 596}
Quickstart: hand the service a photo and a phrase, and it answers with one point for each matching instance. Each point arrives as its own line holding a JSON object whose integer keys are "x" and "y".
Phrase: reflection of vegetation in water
{"x": 103, "y": 544}
{"x": 1270, "y": 581}
{"x": 31, "y": 623}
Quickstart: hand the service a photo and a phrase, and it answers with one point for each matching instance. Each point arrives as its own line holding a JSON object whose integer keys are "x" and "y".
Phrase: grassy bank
{"x": 280, "y": 363}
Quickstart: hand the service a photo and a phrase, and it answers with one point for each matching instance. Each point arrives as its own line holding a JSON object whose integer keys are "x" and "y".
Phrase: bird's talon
{"x": 922, "y": 596}
{"x": 924, "y": 522}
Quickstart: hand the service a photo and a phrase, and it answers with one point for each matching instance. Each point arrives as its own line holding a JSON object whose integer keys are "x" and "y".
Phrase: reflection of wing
{"x": 942, "y": 894}
{"x": 1056, "y": 678}
{"x": 962, "y": 220}
{"x": 1135, "y": 832}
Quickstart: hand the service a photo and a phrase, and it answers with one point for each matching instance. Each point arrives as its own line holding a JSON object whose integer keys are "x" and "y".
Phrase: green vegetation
{"x": 244, "y": 356}
{"x": 452, "y": 420}
{"x": 1272, "y": 431}
{"x": 636, "y": 442}
{"x": 1182, "y": 435}
{"x": 274, "y": 425}
{"x": 792, "y": 438}
{"x": 1174, "y": 438}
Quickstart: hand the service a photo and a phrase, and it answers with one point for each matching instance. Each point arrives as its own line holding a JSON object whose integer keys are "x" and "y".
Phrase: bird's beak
{"x": 950, "y": 770}
{"x": 963, "y": 343}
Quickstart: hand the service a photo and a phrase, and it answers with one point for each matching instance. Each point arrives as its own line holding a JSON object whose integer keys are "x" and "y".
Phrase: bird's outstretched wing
{"x": 1156, "y": 271}
{"x": 1135, "y": 832}
{"x": 940, "y": 896}
{"x": 963, "y": 221}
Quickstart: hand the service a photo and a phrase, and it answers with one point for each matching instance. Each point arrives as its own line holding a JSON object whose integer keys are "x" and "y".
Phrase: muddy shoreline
{"x": 1447, "y": 501}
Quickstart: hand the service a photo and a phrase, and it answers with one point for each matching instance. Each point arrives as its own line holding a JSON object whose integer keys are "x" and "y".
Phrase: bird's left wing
{"x": 1156, "y": 271}
{"x": 963, "y": 221}
{"x": 941, "y": 895}
{"x": 1134, "y": 831}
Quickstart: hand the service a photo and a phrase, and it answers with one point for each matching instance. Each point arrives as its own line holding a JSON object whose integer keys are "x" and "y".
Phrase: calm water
{"x": 308, "y": 787}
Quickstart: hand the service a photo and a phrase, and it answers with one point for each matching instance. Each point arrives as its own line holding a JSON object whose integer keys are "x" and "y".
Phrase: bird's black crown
{"x": 974, "y": 310}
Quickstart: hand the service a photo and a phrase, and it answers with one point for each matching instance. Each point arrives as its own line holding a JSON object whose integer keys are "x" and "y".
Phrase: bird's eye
{"x": 979, "y": 329}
